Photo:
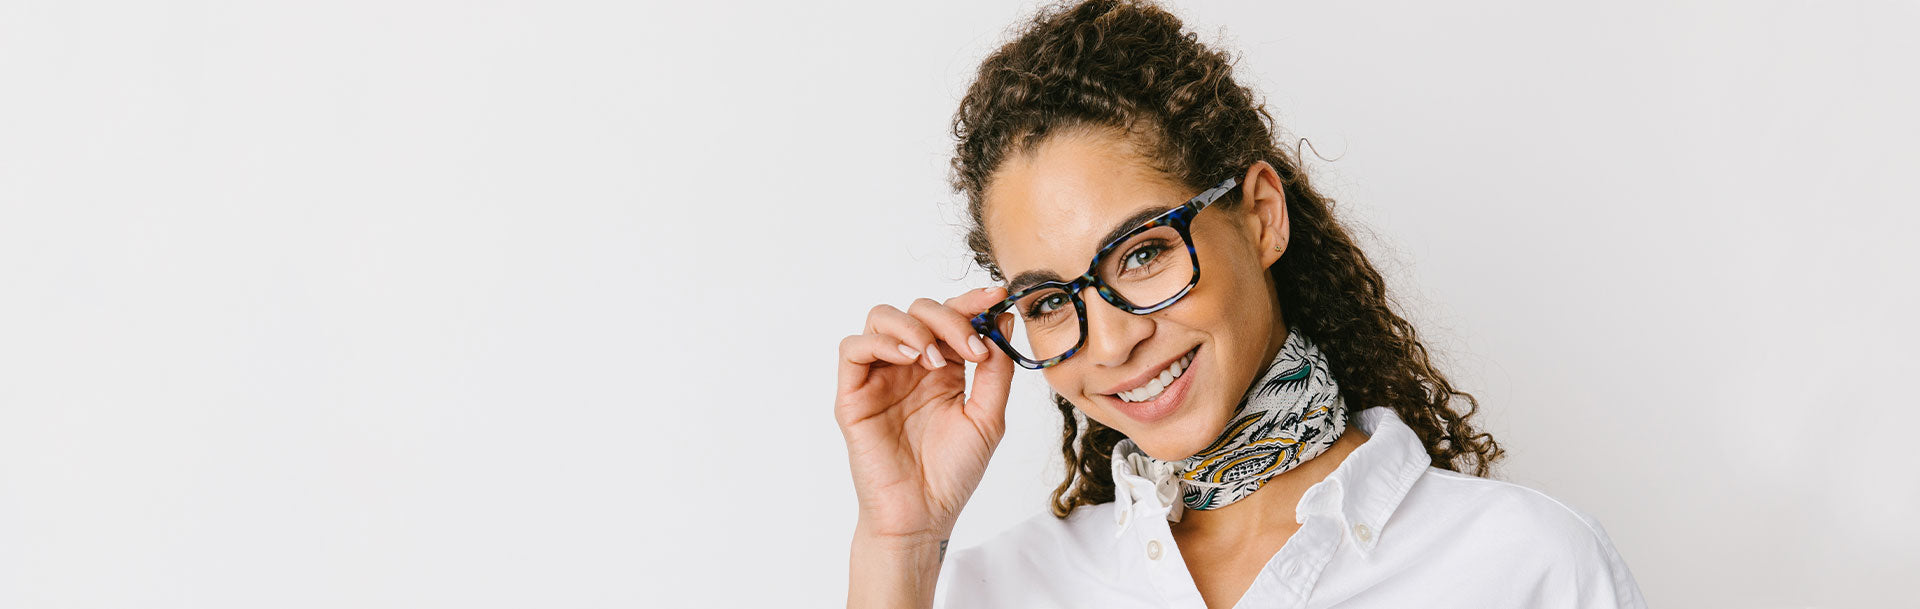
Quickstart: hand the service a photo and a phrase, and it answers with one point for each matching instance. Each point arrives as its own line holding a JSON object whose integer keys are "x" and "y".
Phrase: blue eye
{"x": 1041, "y": 307}
{"x": 1142, "y": 256}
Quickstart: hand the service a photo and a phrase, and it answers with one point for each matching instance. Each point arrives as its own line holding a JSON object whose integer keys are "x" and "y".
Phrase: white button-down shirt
{"x": 1385, "y": 529}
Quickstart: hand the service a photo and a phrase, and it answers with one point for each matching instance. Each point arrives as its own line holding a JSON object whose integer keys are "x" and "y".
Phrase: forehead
{"x": 1051, "y": 208}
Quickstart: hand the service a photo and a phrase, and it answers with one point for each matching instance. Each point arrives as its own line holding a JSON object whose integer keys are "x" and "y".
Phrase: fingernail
{"x": 909, "y": 351}
{"x": 933, "y": 355}
{"x": 979, "y": 348}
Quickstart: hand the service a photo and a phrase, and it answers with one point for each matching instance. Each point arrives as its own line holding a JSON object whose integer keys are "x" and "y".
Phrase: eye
{"x": 1140, "y": 257}
{"x": 1050, "y": 303}
{"x": 1046, "y": 305}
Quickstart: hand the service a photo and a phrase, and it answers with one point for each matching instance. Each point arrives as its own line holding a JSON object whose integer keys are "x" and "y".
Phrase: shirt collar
{"x": 1364, "y": 490}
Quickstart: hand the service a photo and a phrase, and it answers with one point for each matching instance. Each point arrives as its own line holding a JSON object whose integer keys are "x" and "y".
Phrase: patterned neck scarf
{"x": 1292, "y": 414}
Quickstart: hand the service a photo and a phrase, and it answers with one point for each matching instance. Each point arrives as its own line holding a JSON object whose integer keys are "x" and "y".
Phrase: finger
{"x": 869, "y": 348}
{"x": 972, "y": 302}
{"x": 884, "y": 319}
{"x": 952, "y": 327}
{"x": 858, "y": 352}
{"x": 987, "y": 398}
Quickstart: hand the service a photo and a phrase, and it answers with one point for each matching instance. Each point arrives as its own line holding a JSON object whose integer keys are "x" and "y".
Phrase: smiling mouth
{"x": 1158, "y": 384}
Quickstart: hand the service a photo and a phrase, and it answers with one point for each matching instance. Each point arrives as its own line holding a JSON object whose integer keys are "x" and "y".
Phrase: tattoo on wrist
{"x": 943, "y": 550}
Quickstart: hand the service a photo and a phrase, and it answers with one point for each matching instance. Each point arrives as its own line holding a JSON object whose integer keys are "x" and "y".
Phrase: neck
{"x": 1272, "y": 509}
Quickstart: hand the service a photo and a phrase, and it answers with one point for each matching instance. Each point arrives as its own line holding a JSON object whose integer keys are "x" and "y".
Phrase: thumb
{"x": 993, "y": 378}
{"x": 987, "y": 398}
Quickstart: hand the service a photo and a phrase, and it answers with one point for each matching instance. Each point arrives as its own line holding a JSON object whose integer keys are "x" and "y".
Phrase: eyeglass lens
{"x": 1147, "y": 269}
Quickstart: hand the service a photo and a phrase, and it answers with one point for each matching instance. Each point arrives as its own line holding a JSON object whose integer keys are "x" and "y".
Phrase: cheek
{"x": 1065, "y": 382}
{"x": 1070, "y": 384}
{"x": 1223, "y": 241}
{"x": 1219, "y": 303}
{"x": 1233, "y": 281}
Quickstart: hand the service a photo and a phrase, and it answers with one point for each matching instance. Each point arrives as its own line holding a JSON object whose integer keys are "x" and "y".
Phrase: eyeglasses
{"x": 1045, "y": 324}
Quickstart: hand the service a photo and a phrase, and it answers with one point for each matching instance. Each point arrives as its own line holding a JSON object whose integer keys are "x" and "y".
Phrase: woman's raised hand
{"x": 917, "y": 438}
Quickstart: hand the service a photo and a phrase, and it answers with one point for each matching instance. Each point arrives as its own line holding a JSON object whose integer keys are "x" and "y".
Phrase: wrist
{"x": 895, "y": 570}
{"x": 865, "y": 534}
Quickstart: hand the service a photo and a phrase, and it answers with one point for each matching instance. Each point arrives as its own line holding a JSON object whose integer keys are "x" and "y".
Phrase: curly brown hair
{"x": 1129, "y": 67}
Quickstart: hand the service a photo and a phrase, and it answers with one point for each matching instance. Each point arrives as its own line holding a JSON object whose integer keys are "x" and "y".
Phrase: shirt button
{"x": 1364, "y": 532}
{"x": 1123, "y": 515}
{"x": 1153, "y": 550}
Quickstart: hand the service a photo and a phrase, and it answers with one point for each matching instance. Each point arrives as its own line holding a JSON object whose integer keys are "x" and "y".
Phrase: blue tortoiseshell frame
{"x": 1180, "y": 218}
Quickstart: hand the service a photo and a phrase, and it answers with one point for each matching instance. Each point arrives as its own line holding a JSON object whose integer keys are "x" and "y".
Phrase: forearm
{"x": 888, "y": 571}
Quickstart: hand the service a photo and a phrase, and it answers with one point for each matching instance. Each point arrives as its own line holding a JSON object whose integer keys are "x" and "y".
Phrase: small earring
{"x": 1276, "y": 248}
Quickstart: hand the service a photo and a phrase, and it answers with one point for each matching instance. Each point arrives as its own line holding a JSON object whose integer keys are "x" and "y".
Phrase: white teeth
{"x": 1159, "y": 383}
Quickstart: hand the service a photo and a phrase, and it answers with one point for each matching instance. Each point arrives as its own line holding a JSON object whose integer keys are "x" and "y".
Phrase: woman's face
{"x": 1051, "y": 210}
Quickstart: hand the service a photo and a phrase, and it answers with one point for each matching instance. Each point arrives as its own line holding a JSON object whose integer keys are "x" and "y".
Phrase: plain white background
{"x": 514, "y": 304}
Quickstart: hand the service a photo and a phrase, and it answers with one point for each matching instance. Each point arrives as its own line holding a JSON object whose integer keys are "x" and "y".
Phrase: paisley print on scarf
{"x": 1291, "y": 415}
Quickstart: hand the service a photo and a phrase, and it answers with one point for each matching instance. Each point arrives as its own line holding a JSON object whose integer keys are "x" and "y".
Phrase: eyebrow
{"x": 1037, "y": 276}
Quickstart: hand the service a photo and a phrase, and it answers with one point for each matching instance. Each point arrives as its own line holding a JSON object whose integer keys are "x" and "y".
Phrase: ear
{"x": 1264, "y": 205}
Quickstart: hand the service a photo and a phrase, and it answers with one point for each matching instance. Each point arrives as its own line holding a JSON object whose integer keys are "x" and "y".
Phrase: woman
{"x": 1247, "y": 421}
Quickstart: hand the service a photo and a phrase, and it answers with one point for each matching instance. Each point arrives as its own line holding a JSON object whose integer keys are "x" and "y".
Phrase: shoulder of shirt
{"x": 1516, "y": 504}
{"x": 1566, "y": 546}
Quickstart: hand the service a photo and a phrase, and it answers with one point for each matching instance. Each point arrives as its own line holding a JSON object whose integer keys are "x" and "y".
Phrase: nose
{"x": 1112, "y": 334}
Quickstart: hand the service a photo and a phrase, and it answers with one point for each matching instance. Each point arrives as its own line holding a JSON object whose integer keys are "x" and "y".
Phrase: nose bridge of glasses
{"x": 1111, "y": 331}
{"x": 1102, "y": 291}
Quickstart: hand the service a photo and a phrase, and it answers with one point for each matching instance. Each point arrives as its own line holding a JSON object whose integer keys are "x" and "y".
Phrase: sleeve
{"x": 1592, "y": 574}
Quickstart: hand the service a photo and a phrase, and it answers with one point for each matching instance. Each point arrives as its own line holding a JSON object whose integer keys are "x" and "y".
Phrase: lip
{"x": 1161, "y": 405}
{"x": 1137, "y": 381}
